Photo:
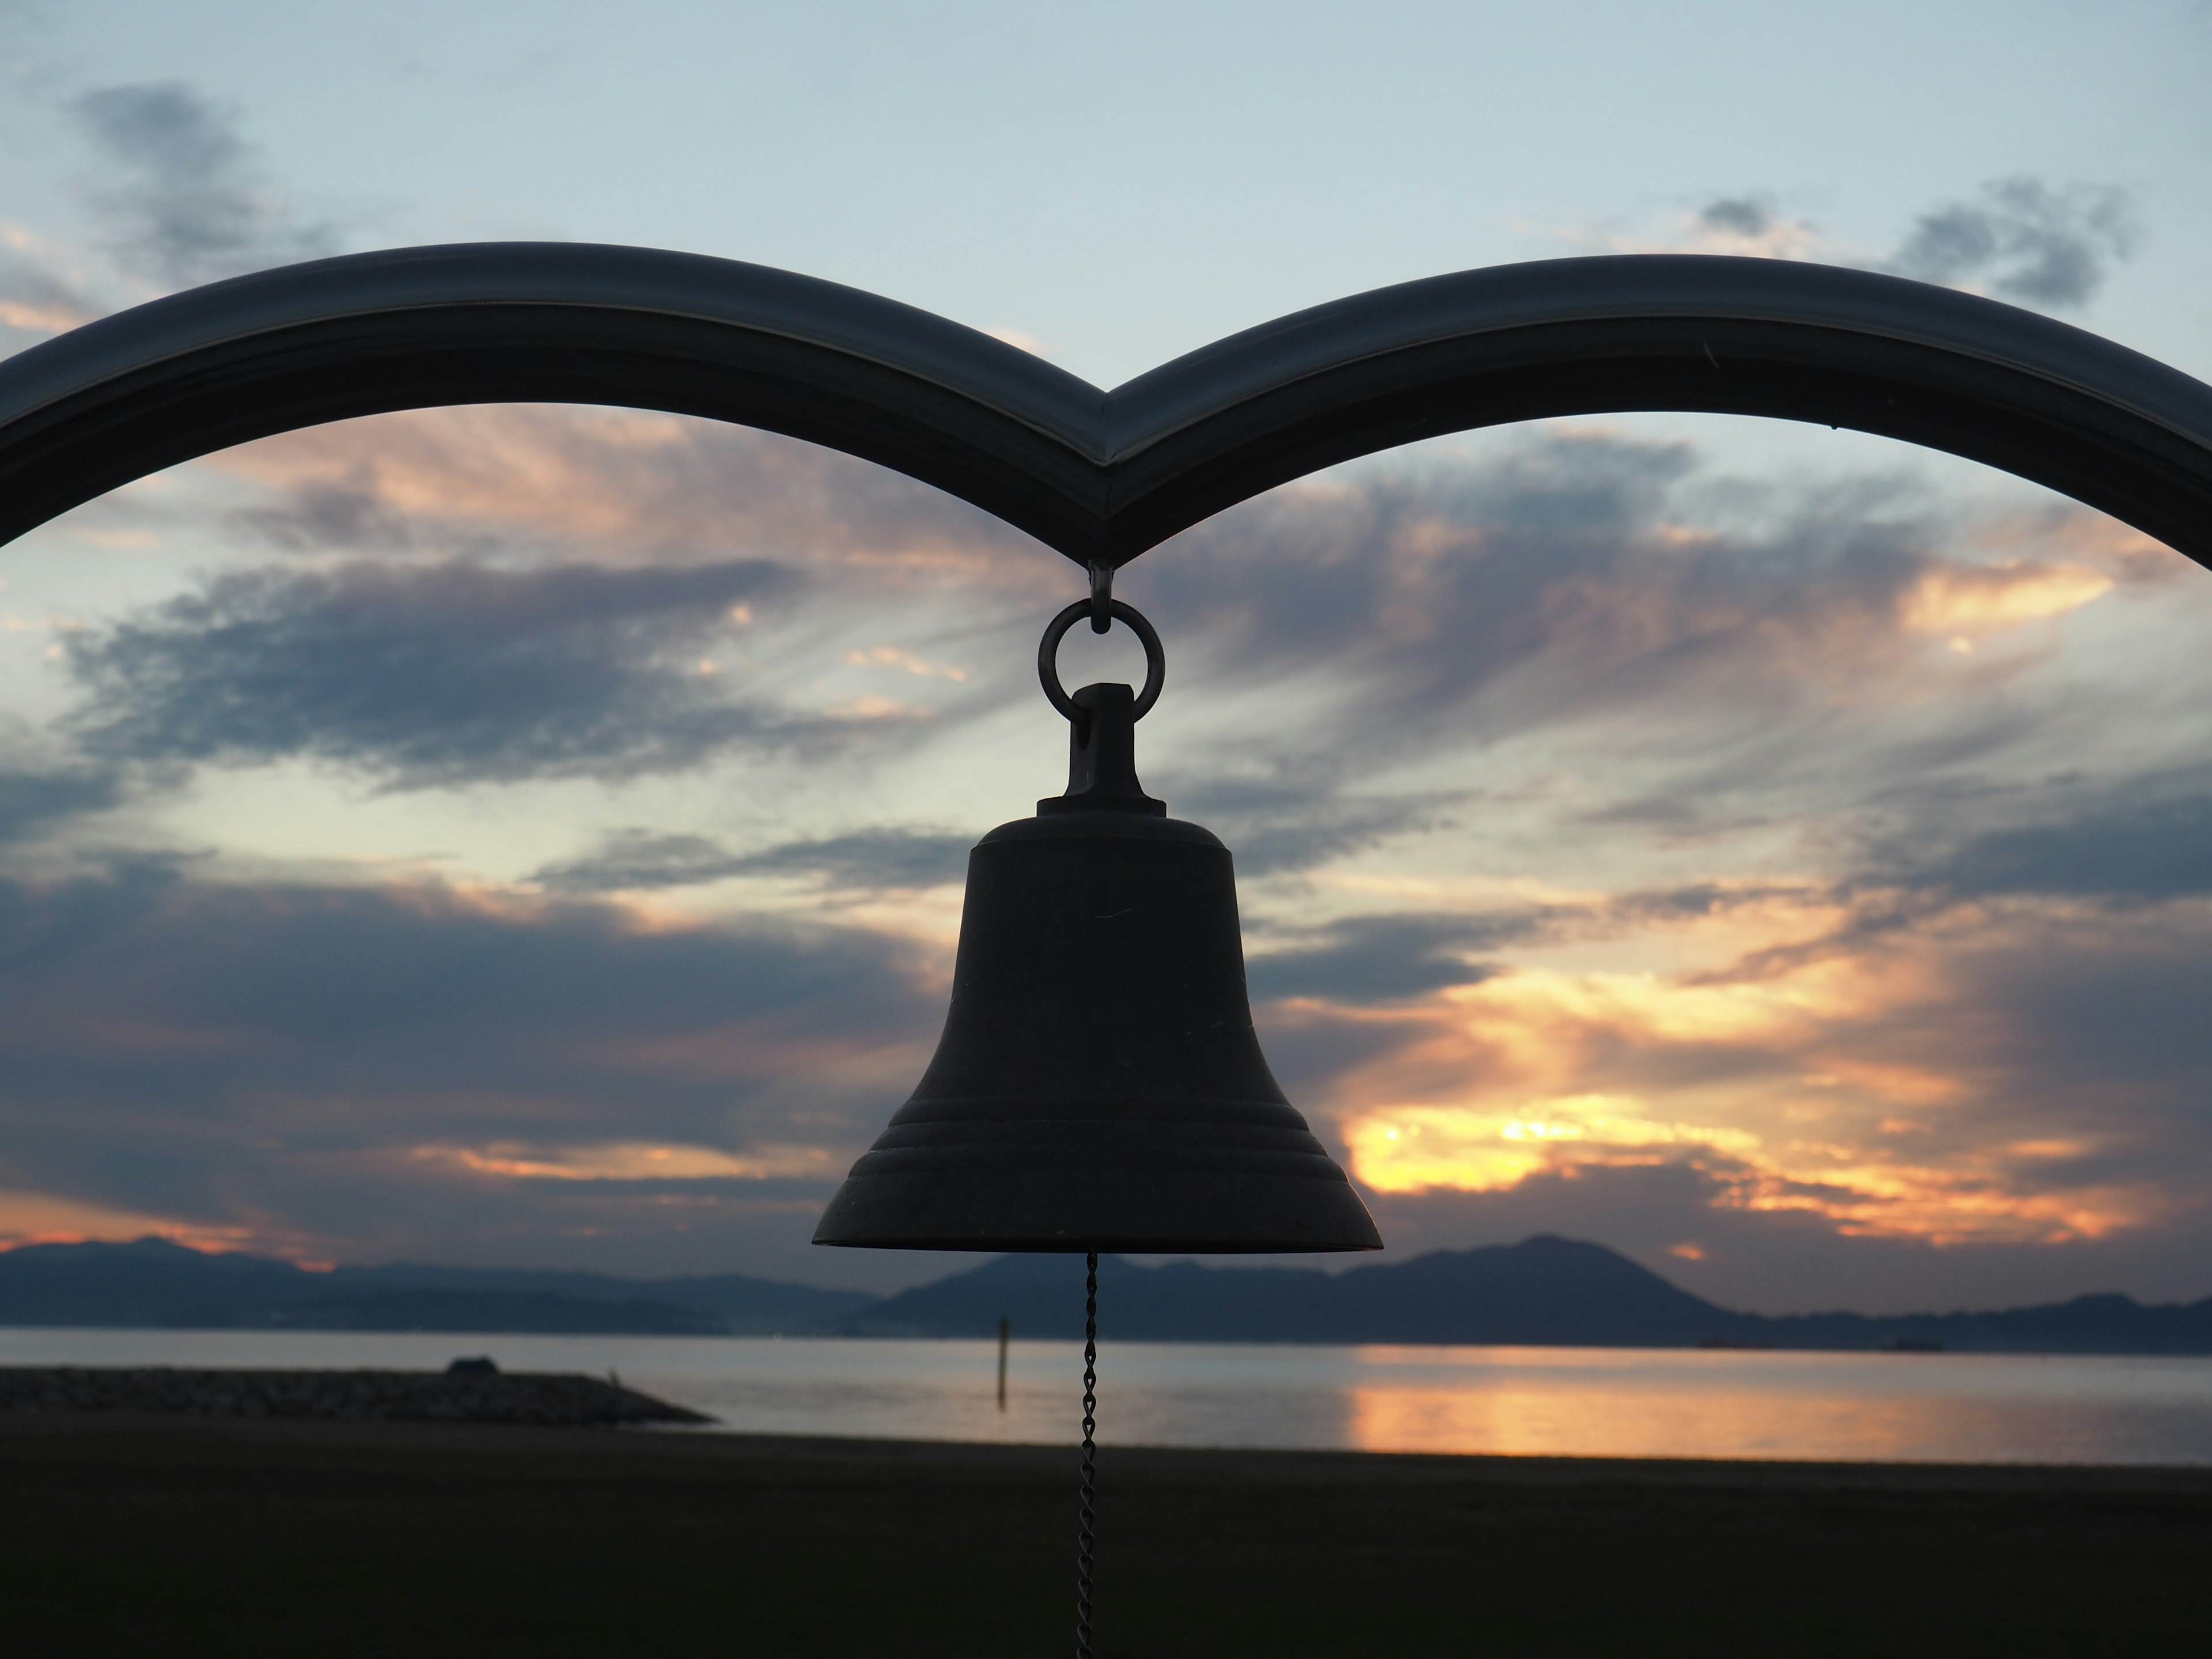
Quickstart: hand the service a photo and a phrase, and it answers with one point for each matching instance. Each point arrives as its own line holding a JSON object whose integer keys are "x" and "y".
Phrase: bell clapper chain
{"x": 1085, "y": 1536}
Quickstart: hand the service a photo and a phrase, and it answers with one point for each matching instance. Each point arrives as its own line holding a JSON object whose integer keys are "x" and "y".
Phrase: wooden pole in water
{"x": 1005, "y": 1328}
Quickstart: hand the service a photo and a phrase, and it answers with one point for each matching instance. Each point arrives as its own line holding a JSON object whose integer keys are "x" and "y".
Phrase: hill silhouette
{"x": 1541, "y": 1291}
{"x": 154, "y": 1283}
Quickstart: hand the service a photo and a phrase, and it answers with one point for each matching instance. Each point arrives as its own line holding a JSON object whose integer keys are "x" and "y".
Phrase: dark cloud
{"x": 2100, "y": 1027}
{"x": 1738, "y": 216}
{"x": 192, "y": 205}
{"x": 322, "y": 516}
{"x": 2147, "y": 849}
{"x": 871, "y": 861}
{"x": 638, "y": 861}
{"x": 1548, "y": 581}
{"x": 418, "y": 982}
{"x": 34, "y": 801}
{"x": 1299, "y": 819}
{"x": 435, "y": 675}
{"x": 2057, "y": 1024}
{"x": 1385, "y": 959}
{"x": 2045, "y": 245}
{"x": 1396, "y": 956}
{"x": 279, "y": 1057}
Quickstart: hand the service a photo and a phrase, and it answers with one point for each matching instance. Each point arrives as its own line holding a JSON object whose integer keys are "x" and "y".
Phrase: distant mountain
{"x": 153, "y": 1283}
{"x": 1542, "y": 1291}
{"x": 2087, "y": 1324}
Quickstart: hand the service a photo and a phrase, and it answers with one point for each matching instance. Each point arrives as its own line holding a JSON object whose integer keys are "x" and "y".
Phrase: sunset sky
{"x": 534, "y": 836}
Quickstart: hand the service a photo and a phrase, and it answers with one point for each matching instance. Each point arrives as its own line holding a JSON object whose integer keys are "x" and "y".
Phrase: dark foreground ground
{"x": 140, "y": 1536}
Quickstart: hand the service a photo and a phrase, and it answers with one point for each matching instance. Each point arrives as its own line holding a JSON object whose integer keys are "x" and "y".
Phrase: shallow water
{"x": 1613, "y": 1402}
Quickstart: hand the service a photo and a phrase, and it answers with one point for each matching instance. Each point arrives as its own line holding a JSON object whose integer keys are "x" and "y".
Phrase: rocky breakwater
{"x": 471, "y": 1391}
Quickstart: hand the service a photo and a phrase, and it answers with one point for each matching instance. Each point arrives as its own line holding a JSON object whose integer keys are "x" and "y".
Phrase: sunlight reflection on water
{"x": 1559, "y": 1402}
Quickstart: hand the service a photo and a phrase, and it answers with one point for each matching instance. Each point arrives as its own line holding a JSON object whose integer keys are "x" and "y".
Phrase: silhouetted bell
{"x": 1098, "y": 1085}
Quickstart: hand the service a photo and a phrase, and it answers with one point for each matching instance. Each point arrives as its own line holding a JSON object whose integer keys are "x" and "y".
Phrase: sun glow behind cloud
{"x": 1991, "y": 597}
{"x": 35, "y": 1217}
{"x": 1775, "y": 1087}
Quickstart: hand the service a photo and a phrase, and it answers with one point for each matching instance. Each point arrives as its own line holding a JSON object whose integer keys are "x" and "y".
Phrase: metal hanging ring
{"x": 1156, "y": 659}
{"x": 1102, "y": 596}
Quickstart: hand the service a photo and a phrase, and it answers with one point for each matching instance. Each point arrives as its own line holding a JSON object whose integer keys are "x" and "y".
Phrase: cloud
{"x": 192, "y": 207}
{"x": 615, "y": 485}
{"x": 2025, "y": 239}
{"x": 2045, "y": 245}
{"x": 1738, "y": 216}
{"x": 1299, "y": 816}
{"x": 1392, "y": 956}
{"x": 1782, "y": 1261}
{"x": 2138, "y": 848}
{"x": 1960, "y": 1076}
{"x": 1434, "y": 604}
{"x": 638, "y": 861}
{"x": 37, "y": 299}
{"x": 869, "y": 860}
{"x": 1384, "y": 958}
{"x": 34, "y": 801}
{"x": 437, "y": 675}
{"x": 1550, "y": 581}
{"x": 1747, "y": 224}
{"x": 382, "y": 1069}
{"x": 411, "y": 1069}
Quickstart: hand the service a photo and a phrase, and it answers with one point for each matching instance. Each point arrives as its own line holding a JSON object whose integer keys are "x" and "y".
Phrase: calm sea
{"x": 1614, "y": 1402}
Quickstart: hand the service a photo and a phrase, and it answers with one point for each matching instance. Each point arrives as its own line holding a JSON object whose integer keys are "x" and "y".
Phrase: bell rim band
{"x": 1156, "y": 659}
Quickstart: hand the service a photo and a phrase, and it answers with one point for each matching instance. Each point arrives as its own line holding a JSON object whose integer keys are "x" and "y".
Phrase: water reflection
{"x": 1559, "y": 1401}
{"x": 1874, "y": 1408}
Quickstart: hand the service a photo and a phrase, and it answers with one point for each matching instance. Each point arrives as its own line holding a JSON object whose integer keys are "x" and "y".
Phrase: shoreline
{"x": 479, "y": 1336}
{"x": 648, "y": 1442}
{"x": 473, "y": 1391}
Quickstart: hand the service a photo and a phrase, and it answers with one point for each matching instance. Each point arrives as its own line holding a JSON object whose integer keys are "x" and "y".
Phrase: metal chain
{"x": 1084, "y": 1537}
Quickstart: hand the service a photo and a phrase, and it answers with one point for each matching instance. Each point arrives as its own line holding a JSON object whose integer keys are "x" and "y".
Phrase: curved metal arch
{"x": 1101, "y": 477}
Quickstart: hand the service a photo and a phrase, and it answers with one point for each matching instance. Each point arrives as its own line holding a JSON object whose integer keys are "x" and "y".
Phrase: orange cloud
{"x": 633, "y": 1161}
{"x": 41, "y": 319}
{"x": 889, "y": 656}
{"x": 29, "y": 1217}
{"x": 1972, "y": 598}
{"x": 628, "y": 482}
{"x": 1779, "y": 1090}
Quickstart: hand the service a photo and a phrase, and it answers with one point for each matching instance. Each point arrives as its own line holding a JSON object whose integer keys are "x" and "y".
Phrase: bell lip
{"x": 1104, "y": 1245}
